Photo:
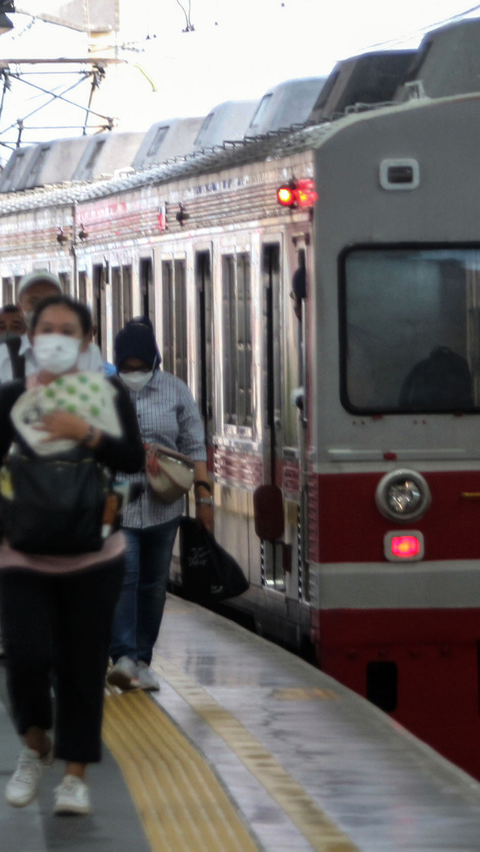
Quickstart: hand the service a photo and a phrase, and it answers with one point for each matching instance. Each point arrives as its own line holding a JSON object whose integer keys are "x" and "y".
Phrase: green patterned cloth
{"x": 89, "y": 395}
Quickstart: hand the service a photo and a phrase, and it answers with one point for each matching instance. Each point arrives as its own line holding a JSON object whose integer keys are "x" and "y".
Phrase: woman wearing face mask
{"x": 57, "y": 610}
{"x": 167, "y": 415}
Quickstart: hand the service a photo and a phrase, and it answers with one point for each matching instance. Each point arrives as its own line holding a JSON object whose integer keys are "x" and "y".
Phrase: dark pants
{"x": 60, "y": 624}
{"x": 139, "y": 611}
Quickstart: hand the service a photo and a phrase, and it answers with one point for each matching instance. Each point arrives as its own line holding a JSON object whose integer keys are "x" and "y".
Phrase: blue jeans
{"x": 139, "y": 610}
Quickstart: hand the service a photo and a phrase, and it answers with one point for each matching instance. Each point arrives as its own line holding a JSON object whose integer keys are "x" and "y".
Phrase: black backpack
{"x": 53, "y": 505}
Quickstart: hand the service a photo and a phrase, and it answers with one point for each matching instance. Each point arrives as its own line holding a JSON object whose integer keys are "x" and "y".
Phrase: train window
{"x": 65, "y": 279}
{"x": 92, "y": 159}
{"x": 181, "y": 364}
{"x": 206, "y": 124}
{"x": 147, "y": 288}
{"x": 203, "y": 278}
{"x": 160, "y": 134}
{"x": 99, "y": 276}
{"x": 174, "y": 318}
{"x": 117, "y": 313}
{"x": 33, "y": 176}
{"x": 82, "y": 287}
{"x": 126, "y": 293}
{"x": 261, "y": 110}
{"x": 237, "y": 340}
{"x": 410, "y": 329}
{"x": 8, "y": 295}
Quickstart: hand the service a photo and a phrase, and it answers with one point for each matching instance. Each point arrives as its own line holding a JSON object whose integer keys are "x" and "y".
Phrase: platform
{"x": 247, "y": 748}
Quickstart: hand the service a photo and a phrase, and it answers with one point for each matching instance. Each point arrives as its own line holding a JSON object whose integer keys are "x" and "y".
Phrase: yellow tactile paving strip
{"x": 182, "y": 805}
{"x": 322, "y": 834}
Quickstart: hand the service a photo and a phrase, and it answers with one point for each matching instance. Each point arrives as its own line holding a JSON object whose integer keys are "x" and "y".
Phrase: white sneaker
{"x": 72, "y": 796}
{"x": 124, "y": 674}
{"x": 147, "y": 677}
{"x": 25, "y": 781}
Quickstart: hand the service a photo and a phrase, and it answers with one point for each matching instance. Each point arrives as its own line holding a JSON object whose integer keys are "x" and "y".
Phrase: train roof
{"x": 228, "y": 156}
{"x": 285, "y": 105}
{"x": 168, "y": 138}
{"x": 228, "y": 120}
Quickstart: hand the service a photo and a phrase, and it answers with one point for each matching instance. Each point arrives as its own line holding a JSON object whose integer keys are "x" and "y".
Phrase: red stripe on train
{"x": 346, "y": 526}
{"x": 435, "y": 659}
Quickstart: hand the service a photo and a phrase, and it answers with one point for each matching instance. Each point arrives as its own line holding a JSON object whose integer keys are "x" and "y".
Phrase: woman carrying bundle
{"x": 60, "y": 577}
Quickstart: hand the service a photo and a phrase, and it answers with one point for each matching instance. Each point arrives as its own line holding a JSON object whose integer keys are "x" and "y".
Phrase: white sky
{"x": 239, "y": 49}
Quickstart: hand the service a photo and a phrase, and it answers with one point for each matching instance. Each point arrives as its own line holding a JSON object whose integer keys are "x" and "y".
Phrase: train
{"x": 318, "y": 288}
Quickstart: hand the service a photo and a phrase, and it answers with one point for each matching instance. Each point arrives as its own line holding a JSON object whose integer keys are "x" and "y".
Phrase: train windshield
{"x": 411, "y": 329}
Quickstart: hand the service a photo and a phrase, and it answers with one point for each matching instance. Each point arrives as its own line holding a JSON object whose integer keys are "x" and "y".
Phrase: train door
{"x": 273, "y": 568}
{"x": 295, "y": 463}
{"x": 203, "y": 281}
{"x": 147, "y": 288}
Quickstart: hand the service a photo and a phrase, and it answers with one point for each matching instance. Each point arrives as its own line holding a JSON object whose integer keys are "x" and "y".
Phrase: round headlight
{"x": 403, "y": 495}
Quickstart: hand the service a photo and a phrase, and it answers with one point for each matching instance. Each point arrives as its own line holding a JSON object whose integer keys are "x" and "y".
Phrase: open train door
{"x": 268, "y": 503}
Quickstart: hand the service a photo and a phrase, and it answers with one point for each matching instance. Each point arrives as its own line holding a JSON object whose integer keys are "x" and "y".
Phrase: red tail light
{"x": 405, "y": 547}
{"x": 297, "y": 193}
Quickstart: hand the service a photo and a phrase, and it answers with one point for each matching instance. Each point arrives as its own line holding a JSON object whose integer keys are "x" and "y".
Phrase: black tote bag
{"x": 209, "y": 573}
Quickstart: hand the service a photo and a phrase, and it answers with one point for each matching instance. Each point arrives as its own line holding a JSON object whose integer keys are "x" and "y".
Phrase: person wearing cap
{"x": 17, "y": 358}
{"x": 167, "y": 415}
{"x": 33, "y": 288}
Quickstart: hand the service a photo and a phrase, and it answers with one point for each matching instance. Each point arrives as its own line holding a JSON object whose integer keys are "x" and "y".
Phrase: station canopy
{"x": 90, "y": 16}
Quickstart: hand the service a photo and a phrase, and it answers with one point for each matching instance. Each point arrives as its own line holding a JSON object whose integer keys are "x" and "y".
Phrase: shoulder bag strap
{"x": 17, "y": 361}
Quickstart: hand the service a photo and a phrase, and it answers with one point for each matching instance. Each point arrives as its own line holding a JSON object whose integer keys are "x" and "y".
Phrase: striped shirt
{"x": 167, "y": 415}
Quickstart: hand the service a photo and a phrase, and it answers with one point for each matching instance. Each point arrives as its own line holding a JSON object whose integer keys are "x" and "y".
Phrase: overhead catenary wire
{"x": 189, "y": 27}
{"x": 420, "y": 30}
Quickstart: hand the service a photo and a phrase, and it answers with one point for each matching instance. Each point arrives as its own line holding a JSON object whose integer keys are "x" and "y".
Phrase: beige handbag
{"x": 175, "y": 476}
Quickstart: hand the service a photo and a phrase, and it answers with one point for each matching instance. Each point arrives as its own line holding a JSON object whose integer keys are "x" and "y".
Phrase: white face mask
{"x": 136, "y": 381}
{"x": 56, "y": 353}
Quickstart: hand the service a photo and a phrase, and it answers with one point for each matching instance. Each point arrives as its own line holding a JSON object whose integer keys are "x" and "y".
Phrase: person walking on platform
{"x": 59, "y": 577}
{"x": 17, "y": 357}
{"x": 167, "y": 416}
{"x": 19, "y": 360}
{"x": 12, "y": 323}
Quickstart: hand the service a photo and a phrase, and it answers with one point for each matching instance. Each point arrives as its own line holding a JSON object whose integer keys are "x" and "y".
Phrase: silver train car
{"x": 317, "y": 289}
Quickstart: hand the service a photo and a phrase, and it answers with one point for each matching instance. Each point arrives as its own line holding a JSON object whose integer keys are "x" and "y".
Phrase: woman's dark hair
{"x": 78, "y": 308}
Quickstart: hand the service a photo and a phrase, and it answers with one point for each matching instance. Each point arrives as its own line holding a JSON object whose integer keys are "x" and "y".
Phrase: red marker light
{"x": 297, "y": 193}
{"x": 286, "y": 196}
{"x": 306, "y": 195}
{"x": 405, "y": 546}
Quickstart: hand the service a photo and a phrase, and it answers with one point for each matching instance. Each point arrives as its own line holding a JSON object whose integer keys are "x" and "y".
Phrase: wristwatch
{"x": 207, "y": 501}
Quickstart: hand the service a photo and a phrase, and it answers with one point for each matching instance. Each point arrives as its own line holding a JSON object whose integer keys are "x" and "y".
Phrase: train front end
{"x": 394, "y": 416}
